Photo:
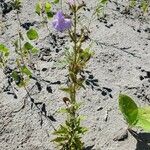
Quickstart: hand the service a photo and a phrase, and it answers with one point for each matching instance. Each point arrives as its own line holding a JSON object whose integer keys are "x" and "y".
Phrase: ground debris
{"x": 122, "y": 135}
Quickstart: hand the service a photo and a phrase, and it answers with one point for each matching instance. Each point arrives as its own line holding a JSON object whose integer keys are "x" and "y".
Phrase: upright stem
{"x": 73, "y": 93}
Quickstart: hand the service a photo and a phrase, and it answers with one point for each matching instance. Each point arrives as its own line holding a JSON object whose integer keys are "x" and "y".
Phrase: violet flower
{"x": 60, "y": 23}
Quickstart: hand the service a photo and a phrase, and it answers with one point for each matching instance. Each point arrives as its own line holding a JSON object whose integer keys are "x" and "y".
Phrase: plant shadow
{"x": 143, "y": 140}
{"x": 89, "y": 147}
{"x": 93, "y": 83}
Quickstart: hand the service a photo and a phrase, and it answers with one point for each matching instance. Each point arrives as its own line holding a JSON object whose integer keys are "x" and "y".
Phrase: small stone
{"x": 122, "y": 135}
{"x": 104, "y": 93}
{"x": 44, "y": 69}
{"x": 141, "y": 77}
{"x": 100, "y": 108}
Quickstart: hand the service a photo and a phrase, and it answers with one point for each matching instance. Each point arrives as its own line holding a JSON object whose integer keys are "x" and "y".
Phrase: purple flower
{"x": 60, "y": 23}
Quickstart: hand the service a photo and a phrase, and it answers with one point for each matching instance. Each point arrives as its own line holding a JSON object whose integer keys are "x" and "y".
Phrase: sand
{"x": 121, "y": 63}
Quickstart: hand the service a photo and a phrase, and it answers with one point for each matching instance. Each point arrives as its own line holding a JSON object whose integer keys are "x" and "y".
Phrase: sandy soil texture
{"x": 121, "y": 63}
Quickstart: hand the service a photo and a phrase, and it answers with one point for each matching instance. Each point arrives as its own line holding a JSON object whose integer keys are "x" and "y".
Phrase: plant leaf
{"x": 49, "y": 14}
{"x": 34, "y": 50}
{"x": 4, "y": 50}
{"x": 59, "y": 139}
{"x": 28, "y": 46}
{"x": 38, "y": 8}
{"x": 56, "y": 1}
{"x": 144, "y": 118}
{"x": 67, "y": 89}
{"x": 128, "y": 108}
{"x": 47, "y": 7}
{"x": 104, "y": 1}
{"x": 32, "y": 34}
{"x": 25, "y": 70}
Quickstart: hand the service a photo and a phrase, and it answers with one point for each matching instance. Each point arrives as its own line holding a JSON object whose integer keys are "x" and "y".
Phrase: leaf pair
{"x": 4, "y": 53}
{"x": 144, "y": 4}
{"x": 135, "y": 116}
{"x": 18, "y": 76}
{"x": 65, "y": 137}
{"x": 47, "y": 9}
{"x": 4, "y": 50}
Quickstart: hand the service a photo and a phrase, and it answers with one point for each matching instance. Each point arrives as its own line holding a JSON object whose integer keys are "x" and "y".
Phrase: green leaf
{"x": 49, "y": 14}
{"x": 144, "y": 118}
{"x": 61, "y": 131}
{"x": 64, "y": 110}
{"x": 38, "y": 8}
{"x": 56, "y": 1}
{"x": 128, "y": 108}
{"x": 59, "y": 139}
{"x": 25, "y": 70}
{"x": 18, "y": 79}
{"x": 144, "y": 6}
{"x": 47, "y": 7}
{"x": 4, "y": 50}
{"x": 28, "y": 46}
{"x": 104, "y": 1}
{"x": 15, "y": 76}
{"x": 67, "y": 90}
{"x": 32, "y": 34}
{"x": 132, "y": 3}
{"x": 34, "y": 50}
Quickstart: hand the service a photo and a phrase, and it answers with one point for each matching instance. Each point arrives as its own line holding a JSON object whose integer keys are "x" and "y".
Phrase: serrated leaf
{"x": 59, "y": 139}
{"x": 144, "y": 118}
{"x": 62, "y": 130}
{"x": 38, "y": 8}
{"x": 4, "y": 50}
{"x": 32, "y": 34}
{"x": 25, "y": 70}
{"x": 47, "y": 7}
{"x": 129, "y": 109}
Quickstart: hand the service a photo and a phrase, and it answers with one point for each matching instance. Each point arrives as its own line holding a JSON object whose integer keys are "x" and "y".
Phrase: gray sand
{"x": 121, "y": 63}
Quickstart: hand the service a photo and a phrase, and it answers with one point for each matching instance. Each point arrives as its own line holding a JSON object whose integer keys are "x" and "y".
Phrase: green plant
{"x": 99, "y": 10}
{"x": 69, "y": 135}
{"x": 24, "y": 49}
{"x": 44, "y": 9}
{"x": 144, "y": 4}
{"x": 135, "y": 116}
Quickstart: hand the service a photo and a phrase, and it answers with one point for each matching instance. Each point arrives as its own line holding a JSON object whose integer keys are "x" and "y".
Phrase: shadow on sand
{"x": 143, "y": 140}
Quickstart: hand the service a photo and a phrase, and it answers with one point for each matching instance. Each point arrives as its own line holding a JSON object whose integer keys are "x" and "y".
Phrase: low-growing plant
{"x": 24, "y": 50}
{"x": 144, "y": 4}
{"x": 135, "y": 116}
{"x": 22, "y": 70}
{"x": 44, "y": 10}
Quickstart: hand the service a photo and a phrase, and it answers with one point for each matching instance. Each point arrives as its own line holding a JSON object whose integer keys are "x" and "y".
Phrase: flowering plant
{"x": 69, "y": 135}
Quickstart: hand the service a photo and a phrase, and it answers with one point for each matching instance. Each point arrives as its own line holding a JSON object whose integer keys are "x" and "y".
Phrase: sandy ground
{"x": 121, "y": 63}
